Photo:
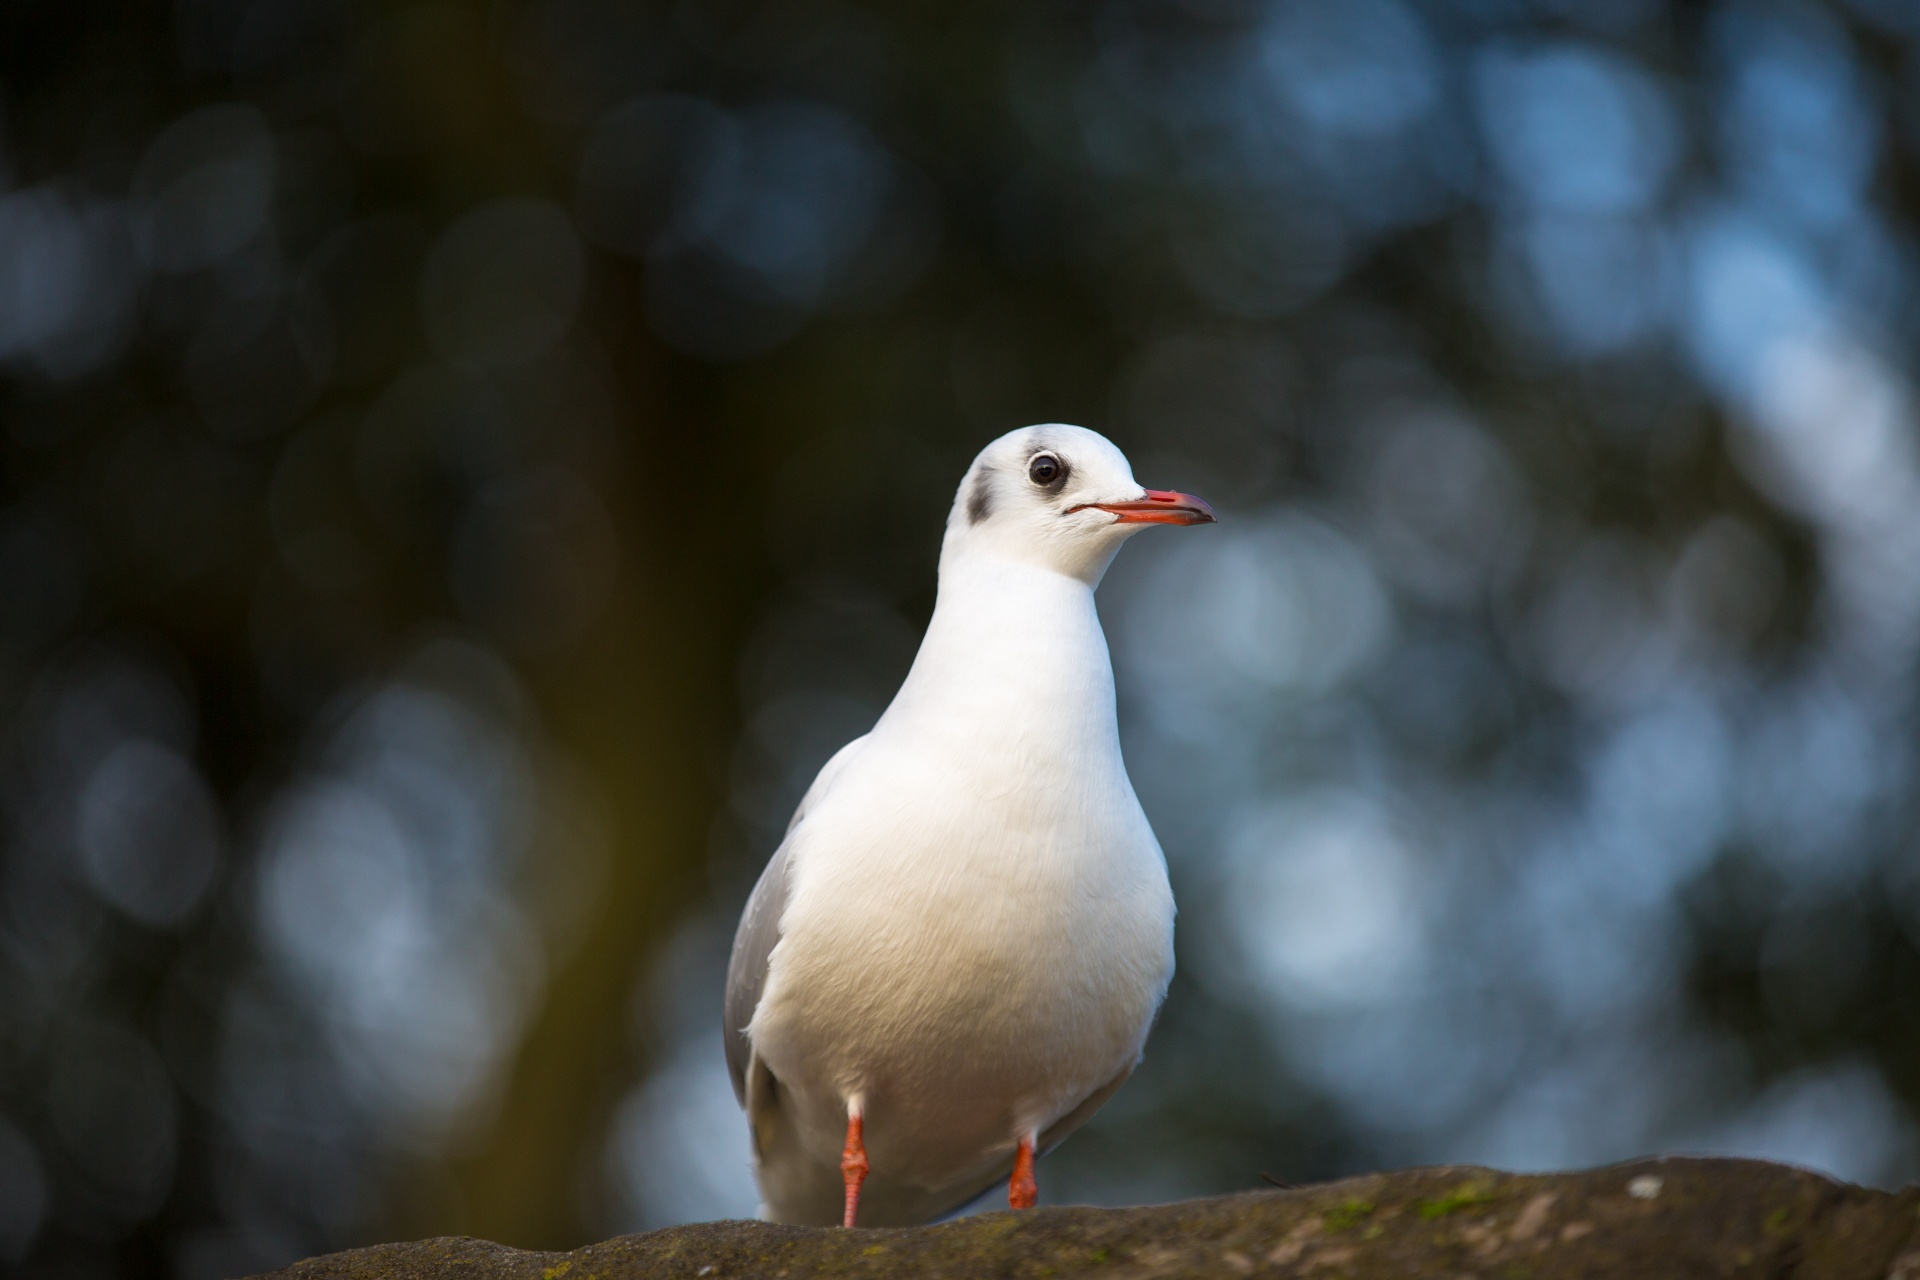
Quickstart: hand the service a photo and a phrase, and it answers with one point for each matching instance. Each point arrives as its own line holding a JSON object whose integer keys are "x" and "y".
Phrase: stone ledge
{"x": 1652, "y": 1218}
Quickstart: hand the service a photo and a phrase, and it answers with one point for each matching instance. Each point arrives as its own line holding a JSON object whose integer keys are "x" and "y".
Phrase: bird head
{"x": 1059, "y": 496}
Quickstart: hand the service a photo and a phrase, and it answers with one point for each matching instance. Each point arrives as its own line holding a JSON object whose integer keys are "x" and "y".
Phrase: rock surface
{"x": 1654, "y": 1218}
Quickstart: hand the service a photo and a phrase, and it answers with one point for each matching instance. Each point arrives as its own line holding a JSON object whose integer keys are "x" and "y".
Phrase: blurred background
{"x": 464, "y": 465}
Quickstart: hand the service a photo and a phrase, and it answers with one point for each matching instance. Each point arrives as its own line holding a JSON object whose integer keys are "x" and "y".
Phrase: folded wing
{"x": 759, "y": 928}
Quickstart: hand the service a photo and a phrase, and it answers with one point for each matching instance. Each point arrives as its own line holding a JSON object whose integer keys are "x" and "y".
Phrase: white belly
{"x": 970, "y": 976}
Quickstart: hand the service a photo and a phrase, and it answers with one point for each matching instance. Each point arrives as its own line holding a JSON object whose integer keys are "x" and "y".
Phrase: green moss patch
{"x": 1466, "y": 1196}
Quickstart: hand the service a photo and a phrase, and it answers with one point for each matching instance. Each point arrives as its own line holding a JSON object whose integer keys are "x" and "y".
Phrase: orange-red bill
{"x": 1160, "y": 506}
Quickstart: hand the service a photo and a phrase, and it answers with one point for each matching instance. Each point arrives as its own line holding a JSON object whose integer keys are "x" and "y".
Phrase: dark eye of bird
{"x": 1046, "y": 470}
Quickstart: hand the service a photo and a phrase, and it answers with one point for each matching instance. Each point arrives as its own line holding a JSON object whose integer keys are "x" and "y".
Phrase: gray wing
{"x": 759, "y": 930}
{"x": 747, "y": 970}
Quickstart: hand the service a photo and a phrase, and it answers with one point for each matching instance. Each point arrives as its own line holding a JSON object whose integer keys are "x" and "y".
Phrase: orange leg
{"x": 1022, "y": 1191}
{"x": 853, "y": 1164}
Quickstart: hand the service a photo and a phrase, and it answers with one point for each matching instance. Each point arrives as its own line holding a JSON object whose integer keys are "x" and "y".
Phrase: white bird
{"x": 954, "y": 957}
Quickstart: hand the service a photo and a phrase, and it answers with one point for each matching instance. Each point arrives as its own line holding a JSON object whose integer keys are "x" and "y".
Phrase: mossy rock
{"x": 1652, "y": 1218}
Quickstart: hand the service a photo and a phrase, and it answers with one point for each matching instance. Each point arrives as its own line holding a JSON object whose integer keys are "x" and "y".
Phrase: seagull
{"x": 954, "y": 956}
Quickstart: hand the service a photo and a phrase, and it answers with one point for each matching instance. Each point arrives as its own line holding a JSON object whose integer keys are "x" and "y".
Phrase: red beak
{"x": 1160, "y": 506}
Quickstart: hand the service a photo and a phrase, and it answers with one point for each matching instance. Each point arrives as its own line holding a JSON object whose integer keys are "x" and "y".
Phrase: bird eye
{"x": 1046, "y": 470}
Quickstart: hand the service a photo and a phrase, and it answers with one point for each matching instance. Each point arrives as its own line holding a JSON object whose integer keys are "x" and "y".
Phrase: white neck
{"x": 1014, "y": 665}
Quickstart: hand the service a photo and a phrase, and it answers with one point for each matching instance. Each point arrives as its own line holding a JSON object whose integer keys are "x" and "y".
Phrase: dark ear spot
{"x": 980, "y": 501}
